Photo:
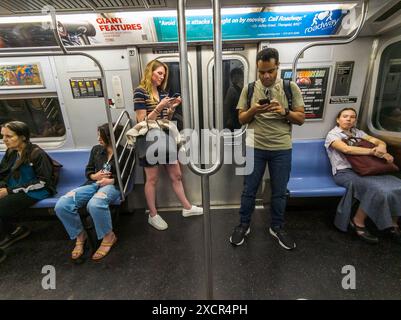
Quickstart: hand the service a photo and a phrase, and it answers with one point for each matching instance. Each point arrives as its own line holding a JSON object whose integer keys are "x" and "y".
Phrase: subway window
{"x": 233, "y": 82}
{"x": 387, "y": 104}
{"x": 174, "y": 86}
{"x": 42, "y": 115}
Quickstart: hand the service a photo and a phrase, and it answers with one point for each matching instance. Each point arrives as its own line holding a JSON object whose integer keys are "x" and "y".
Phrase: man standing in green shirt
{"x": 269, "y": 135}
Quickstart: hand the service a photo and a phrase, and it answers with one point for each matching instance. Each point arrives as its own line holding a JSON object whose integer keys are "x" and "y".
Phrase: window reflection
{"x": 174, "y": 86}
{"x": 233, "y": 82}
{"x": 387, "y": 108}
{"x": 231, "y": 97}
{"x": 42, "y": 115}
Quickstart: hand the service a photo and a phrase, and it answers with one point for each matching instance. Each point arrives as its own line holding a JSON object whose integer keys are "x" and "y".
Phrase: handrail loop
{"x": 365, "y": 7}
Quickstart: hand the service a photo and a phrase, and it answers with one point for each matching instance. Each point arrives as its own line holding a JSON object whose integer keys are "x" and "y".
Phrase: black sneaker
{"x": 3, "y": 255}
{"x": 283, "y": 238}
{"x": 239, "y": 234}
{"x": 19, "y": 233}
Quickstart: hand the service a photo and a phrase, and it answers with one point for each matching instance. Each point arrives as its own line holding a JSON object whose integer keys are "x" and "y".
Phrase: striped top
{"x": 142, "y": 101}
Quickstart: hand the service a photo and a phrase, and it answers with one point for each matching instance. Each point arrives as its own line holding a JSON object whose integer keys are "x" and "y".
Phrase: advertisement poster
{"x": 24, "y": 76}
{"x": 254, "y": 25}
{"x": 313, "y": 85}
{"x": 77, "y": 30}
{"x": 128, "y": 28}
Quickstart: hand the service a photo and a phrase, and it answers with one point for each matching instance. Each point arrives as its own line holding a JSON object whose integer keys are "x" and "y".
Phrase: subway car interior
{"x": 69, "y": 66}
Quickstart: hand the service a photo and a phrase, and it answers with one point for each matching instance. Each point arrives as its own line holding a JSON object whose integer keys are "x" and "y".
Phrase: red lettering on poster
{"x": 116, "y": 24}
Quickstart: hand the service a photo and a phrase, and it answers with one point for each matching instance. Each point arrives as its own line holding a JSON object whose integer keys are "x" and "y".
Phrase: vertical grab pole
{"x": 184, "y": 76}
{"x": 218, "y": 99}
{"x": 204, "y": 173}
{"x": 218, "y": 63}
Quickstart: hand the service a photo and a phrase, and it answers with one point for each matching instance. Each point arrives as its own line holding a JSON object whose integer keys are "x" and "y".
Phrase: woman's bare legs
{"x": 360, "y": 217}
{"x": 174, "y": 172}
{"x": 152, "y": 176}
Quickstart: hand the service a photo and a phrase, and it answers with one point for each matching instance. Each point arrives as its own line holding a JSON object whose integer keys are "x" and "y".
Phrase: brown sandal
{"x": 79, "y": 250}
{"x": 100, "y": 254}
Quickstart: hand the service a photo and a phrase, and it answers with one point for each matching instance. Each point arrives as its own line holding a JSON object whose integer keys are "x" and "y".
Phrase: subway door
{"x": 238, "y": 69}
{"x": 165, "y": 194}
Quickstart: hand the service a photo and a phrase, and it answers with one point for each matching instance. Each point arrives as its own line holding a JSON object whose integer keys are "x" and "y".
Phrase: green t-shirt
{"x": 271, "y": 131}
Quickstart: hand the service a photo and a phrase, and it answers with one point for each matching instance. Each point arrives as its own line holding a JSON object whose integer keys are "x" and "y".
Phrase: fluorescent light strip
{"x": 24, "y": 19}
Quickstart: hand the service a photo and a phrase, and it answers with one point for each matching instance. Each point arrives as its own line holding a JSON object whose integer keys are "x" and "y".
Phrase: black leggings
{"x": 10, "y": 206}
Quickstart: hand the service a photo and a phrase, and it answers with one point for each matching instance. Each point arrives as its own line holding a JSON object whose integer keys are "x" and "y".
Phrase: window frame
{"x": 44, "y": 142}
{"x": 375, "y": 78}
{"x": 210, "y": 110}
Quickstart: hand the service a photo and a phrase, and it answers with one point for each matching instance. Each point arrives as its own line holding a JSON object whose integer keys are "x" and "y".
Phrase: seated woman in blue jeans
{"x": 96, "y": 194}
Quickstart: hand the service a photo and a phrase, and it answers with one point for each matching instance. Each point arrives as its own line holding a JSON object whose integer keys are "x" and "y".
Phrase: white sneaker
{"x": 157, "y": 222}
{"x": 194, "y": 211}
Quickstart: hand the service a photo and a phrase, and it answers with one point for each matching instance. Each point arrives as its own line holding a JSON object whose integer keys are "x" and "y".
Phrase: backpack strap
{"x": 33, "y": 153}
{"x": 288, "y": 92}
{"x": 251, "y": 89}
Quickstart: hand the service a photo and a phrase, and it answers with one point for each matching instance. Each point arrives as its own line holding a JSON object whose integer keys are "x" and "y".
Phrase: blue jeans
{"x": 279, "y": 168}
{"x": 97, "y": 205}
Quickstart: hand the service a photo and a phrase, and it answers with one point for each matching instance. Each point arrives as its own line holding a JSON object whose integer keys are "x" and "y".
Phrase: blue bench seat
{"x": 311, "y": 174}
{"x": 72, "y": 174}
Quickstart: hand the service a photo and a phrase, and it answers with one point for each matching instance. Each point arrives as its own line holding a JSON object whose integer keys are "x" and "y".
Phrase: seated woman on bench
{"x": 96, "y": 194}
{"x": 379, "y": 196}
{"x": 25, "y": 178}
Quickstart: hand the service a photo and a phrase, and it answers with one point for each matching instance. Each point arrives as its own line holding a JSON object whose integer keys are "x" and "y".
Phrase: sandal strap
{"x": 76, "y": 253}
{"x": 101, "y": 252}
{"x": 108, "y": 244}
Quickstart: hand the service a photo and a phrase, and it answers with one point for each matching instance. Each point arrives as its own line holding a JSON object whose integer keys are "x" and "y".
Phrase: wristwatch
{"x": 287, "y": 112}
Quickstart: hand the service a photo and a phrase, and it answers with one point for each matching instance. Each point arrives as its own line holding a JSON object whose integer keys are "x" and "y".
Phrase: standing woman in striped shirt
{"x": 151, "y": 101}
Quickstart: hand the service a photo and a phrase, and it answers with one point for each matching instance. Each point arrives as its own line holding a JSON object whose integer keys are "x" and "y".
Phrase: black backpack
{"x": 287, "y": 91}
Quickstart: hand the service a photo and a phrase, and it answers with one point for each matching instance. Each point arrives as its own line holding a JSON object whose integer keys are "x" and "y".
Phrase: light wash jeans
{"x": 97, "y": 205}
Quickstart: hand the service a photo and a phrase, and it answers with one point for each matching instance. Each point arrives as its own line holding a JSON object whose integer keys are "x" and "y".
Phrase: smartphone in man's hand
{"x": 264, "y": 101}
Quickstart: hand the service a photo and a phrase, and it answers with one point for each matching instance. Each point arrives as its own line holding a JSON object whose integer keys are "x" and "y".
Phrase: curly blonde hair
{"x": 146, "y": 81}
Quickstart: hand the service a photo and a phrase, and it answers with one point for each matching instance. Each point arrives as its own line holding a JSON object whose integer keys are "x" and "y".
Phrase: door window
{"x": 233, "y": 82}
{"x": 387, "y": 104}
{"x": 174, "y": 86}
